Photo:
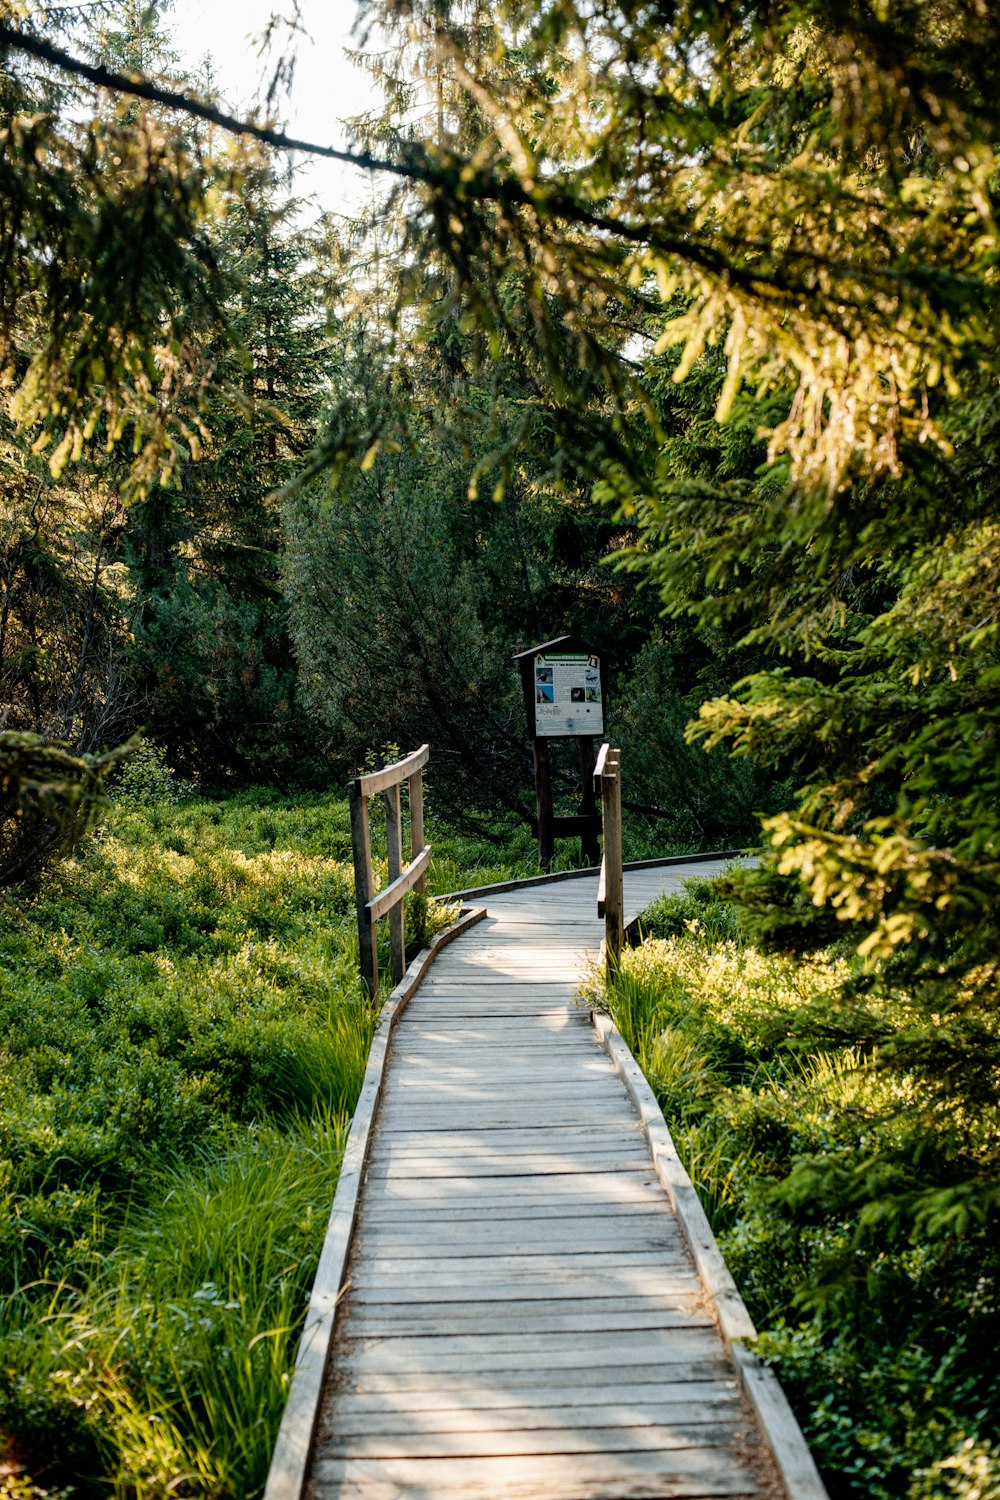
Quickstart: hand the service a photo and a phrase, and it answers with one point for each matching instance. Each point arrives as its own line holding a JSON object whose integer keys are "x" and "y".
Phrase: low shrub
{"x": 840, "y": 1199}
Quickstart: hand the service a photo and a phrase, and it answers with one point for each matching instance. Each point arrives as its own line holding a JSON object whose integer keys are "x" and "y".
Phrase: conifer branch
{"x": 137, "y": 86}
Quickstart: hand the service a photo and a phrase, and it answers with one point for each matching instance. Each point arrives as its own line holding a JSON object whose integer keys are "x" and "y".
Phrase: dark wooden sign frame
{"x": 587, "y": 820}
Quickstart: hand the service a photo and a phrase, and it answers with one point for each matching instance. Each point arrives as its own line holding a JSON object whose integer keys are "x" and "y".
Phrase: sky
{"x": 327, "y": 88}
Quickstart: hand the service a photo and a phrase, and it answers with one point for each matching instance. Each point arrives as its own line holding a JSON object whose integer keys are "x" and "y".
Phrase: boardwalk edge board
{"x": 781, "y": 1430}
{"x": 594, "y": 871}
{"x": 287, "y": 1475}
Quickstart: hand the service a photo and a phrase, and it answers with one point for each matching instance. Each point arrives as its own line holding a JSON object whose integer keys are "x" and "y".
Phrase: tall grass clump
{"x": 184, "y": 1041}
{"x": 829, "y": 1184}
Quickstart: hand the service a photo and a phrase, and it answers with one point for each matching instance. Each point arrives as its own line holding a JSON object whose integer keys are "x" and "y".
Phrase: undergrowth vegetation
{"x": 828, "y": 1186}
{"x": 184, "y": 1040}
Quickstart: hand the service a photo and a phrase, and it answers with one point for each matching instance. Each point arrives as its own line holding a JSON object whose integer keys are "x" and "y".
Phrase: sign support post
{"x": 564, "y": 695}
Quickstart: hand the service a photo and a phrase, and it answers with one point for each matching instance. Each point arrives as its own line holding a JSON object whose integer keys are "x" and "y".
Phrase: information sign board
{"x": 567, "y": 690}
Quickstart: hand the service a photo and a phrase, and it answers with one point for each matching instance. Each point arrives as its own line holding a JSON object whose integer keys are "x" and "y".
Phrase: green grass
{"x": 184, "y": 1039}
{"x": 820, "y": 1169}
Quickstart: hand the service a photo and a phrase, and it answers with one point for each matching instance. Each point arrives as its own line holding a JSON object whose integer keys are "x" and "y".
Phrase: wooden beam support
{"x": 394, "y": 847}
{"x": 361, "y": 845}
{"x": 415, "y": 783}
{"x": 610, "y": 891}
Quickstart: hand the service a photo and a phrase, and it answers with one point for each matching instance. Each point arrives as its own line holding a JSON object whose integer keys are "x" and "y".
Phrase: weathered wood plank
{"x": 484, "y": 1443}
{"x": 499, "y": 1112}
{"x": 442, "y": 1276}
{"x": 526, "y": 1351}
{"x": 528, "y": 1384}
{"x": 514, "y": 1139}
{"x": 498, "y": 1214}
{"x": 396, "y": 889}
{"x": 705, "y": 1471}
{"x": 508, "y": 1406}
{"x": 388, "y": 1417}
{"x": 617, "y": 1290}
{"x": 489, "y": 1319}
{"x": 530, "y": 1191}
{"x": 558, "y": 1302}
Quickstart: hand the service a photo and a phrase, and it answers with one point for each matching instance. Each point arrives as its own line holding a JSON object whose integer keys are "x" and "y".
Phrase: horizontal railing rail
{"x": 389, "y": 901}
{"x": 399, "y": 771}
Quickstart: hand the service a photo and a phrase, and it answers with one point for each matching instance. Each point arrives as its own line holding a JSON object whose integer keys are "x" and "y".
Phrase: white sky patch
{"x": 327, "y": 88}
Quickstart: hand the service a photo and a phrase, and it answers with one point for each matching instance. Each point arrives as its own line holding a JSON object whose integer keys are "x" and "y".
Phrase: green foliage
{"x": 49, "y": 800}
{"x": 185, "y": 1036}
{"x": 147, "y": 781}
{"x": 841, "y": 1201}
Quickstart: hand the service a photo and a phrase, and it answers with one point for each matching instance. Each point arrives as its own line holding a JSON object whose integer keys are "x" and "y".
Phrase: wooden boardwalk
{"x": 521, "y": 1315}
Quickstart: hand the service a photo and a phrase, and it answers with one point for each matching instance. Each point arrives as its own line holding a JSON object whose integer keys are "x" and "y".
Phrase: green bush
{"x": 840, "y": 1199}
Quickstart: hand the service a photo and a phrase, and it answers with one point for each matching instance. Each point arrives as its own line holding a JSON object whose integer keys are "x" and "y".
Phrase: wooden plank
{"x": 682, "y": 1295}
{"x": 694, "y": 1406}
{"x": 427, "y": 1209}
{"x": 524, "y": 1385}
{"x": 492, "y": 1170}
{"x": 457, "y": 1236}
{"x": 390, "y": 894}
{"x": 484, "y": 1443}
{"x": 498, "y": 1112}
{"x": 512, "y": 1139}
{"x": 536, "y": 1318}
{"x": 451, "y": 1160}
{"x": 524, "y": 1160}
{"x": 511, "y": 1144}
{"x": 671, "y": 1279}
{"x": 520, "y": 1138}
{"x": 567, "y": 1262}
{"x": 456, "y": 1240}
{"x": 526, "y": 1351}
{"x": 418, "y": 1086}
{"x": 472, "y": 1405}
{"x": 691, "y": 1471}
{"x": 636, "y": 1188}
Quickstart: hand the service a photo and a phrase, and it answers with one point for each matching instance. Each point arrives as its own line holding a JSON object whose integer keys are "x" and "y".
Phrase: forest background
{"x": 674, "y": 327}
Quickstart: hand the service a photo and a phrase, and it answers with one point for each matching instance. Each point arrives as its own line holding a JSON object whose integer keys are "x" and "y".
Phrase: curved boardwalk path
{"x": 521, "y": 1315}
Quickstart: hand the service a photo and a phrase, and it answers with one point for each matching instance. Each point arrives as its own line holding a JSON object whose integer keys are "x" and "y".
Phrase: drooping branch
{"x": 459, "y": 179}
{"x": 730, "y": 261}
{"x": 136, "y": 86}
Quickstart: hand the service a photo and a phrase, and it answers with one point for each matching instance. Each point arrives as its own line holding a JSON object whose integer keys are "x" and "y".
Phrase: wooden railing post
{"x": 394, "y": 847}
{"x": 361, "y": 845}
{"x": 610, "y": 896}
{"x": 416, "y": 789}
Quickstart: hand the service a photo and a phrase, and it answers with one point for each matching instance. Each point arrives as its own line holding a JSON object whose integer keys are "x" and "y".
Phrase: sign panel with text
{"x": 568, "y": 700}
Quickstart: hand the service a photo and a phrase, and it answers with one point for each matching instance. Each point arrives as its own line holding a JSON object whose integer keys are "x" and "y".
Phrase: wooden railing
{"x": 608, "y": 784}
{"x": 401, "y": 878}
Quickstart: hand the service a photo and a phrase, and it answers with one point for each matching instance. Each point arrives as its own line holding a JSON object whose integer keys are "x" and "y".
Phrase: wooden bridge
{"x": 519, "y": 1295}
